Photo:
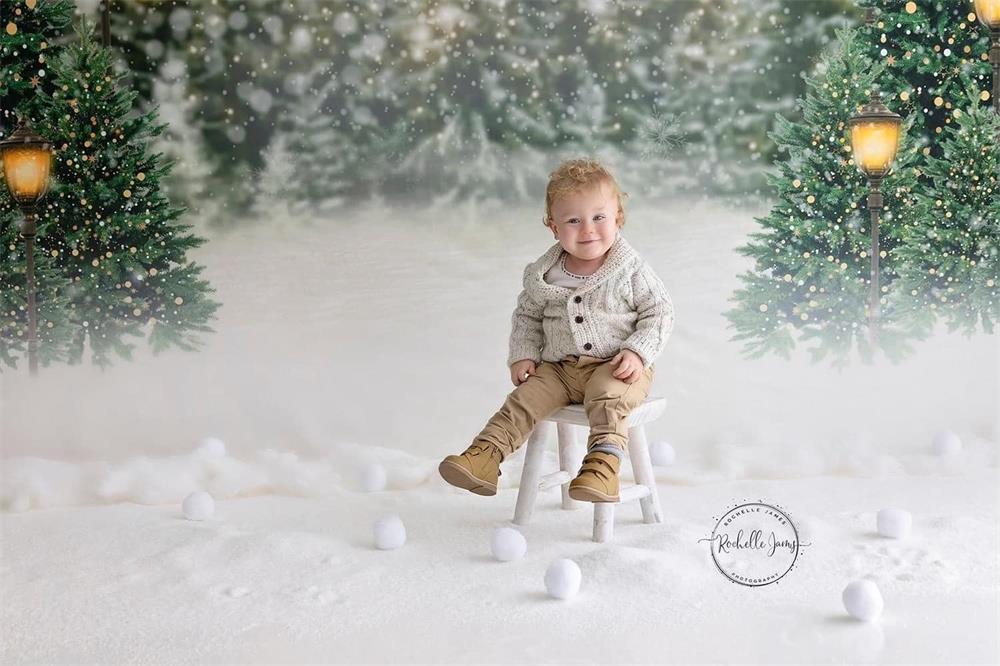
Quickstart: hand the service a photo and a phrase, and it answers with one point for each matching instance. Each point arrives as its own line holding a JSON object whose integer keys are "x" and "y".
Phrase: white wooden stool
{"x": 570, "y": 422}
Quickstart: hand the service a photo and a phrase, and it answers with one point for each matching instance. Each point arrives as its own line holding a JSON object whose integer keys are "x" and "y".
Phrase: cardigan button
{"x": 588, "y": 346}
{"x": 577, "y": 299}
{"x": 579, "y": 319}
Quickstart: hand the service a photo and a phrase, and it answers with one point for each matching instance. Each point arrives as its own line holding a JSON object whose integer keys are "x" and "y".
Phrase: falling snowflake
{"x": 660, "y": 135}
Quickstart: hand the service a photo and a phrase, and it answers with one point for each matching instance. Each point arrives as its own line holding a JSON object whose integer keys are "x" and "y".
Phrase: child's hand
{"x": 520, "y": 371}
{"x": 629, "y": 366}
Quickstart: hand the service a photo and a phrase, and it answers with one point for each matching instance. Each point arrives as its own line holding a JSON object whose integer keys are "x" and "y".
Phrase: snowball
{"x": 389, "y": 532}
{"x": 662, "y": 454}
{"x": 862, "y": 600}
{"x": 562, "y": 579}
{"x": 946, "y": 443}
{"x": 894, "y": 523}
{"x": 372, "y": 477}
{"x": 199, "y": 505}
{"x": 508, "y": 544}
{"x": 211, "y": 447}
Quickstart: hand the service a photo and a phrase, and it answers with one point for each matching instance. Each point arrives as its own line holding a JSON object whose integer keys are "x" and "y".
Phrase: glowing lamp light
{"x": 875, "y": 133}
{"x": 27, "y": 161}
{"x": 988, "y": 12}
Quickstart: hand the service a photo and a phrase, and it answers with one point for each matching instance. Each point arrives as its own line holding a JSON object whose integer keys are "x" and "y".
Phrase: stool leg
{"x": 604, "y": 521}
{"x": 531, "y": 473}
{"x": 642, "y": 469}
{"x": 569, "y": 460}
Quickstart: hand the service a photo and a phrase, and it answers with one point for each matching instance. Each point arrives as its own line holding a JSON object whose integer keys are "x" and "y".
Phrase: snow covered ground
{"x": 382, "y": 337}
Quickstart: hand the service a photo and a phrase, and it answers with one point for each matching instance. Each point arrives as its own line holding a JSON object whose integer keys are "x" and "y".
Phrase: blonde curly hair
{"x": 575, "y": 175}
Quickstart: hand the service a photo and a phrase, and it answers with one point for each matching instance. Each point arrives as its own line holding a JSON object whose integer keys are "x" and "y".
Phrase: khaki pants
{"x": 607, "y": 401}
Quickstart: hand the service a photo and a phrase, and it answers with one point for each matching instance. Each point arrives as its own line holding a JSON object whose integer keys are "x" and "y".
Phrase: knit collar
{"x": 619, "y": 255}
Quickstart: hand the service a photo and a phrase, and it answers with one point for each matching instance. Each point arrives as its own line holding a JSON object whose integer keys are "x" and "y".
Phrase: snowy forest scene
{"x": 518, "y": 332}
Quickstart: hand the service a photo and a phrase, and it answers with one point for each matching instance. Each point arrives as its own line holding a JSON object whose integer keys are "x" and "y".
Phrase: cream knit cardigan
{"x": 624, "y": 305}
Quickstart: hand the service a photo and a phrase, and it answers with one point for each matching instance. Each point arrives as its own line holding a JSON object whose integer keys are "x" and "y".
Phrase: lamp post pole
{"x": 874, "y": 140}
{"x": 995, "y": 61}
{"x": 28, "y": 227}
{"x": 106, "y": 22}
{"x": 26, "y": 164}
{"x": 874, "y": 206}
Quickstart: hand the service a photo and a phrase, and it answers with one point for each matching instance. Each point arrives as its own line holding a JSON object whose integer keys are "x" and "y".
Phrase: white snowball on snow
{"x": 508, "y": 544}
{"x": 946, "y": 443}
{"x": 894, "y": 523}
{"x": 662, "y": 453}
{"x": 390, "y": 533}
{"x": 373, "y": 477}
{"x": 211, "y": 447}
{"x": 562, "y": 579}
{"x": 863, "y": 600}
{"x": 199, "y": 505}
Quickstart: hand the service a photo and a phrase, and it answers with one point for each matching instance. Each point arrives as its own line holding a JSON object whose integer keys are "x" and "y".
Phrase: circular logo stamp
{"x": 754, "y": 544}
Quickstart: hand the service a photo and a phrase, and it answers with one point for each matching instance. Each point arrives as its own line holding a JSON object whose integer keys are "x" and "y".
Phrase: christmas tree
{"x": 931, "y": 52}
{"x": 951, "y": 253}
{"x": 471, "y": 100}
{"x": 937, "y": 70}
{"x": 105, "y": 225}
{"x": 725, "y": 71}
{"x": 811, "y": 274}
{"x": 30, "y": 29}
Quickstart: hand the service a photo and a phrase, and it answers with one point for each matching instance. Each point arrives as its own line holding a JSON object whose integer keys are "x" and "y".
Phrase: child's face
{"x": 586, "y": 222}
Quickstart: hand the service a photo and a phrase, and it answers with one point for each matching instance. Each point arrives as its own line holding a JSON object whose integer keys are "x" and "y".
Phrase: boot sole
{"x": 585, "y": 494}
{"x": 460, "y": 477}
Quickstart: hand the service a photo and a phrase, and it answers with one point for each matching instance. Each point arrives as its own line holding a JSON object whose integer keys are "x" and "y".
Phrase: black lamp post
{"x": 27, "y": 160}
{"x": 988, "y": 12}
{"x": 874, "y": 140}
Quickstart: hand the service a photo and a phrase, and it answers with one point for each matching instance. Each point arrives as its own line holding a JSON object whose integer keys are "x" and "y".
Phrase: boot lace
{"x": 487, "y": 449}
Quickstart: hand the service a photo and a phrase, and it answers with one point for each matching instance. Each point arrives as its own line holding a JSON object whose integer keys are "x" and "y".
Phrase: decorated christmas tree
{"x": 931, "y": 51}
{"x": 811, "y": 273}
{"x": 937, "y": 70}
{"x": 923, "y": 57}
{"x": 950, "y": 258}
{"x": 28, "y": 32}
{"x": 105, "y": 225}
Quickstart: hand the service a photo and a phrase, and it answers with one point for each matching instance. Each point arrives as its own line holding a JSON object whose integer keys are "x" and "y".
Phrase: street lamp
{"x": 27, "y": 159}
{"x": 874, "y": 140}
{"x": 988, "y": 12}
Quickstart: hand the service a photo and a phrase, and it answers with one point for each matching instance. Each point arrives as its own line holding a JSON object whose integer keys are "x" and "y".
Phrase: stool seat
{"x": 647, "y": 412}
{"x": 571, "y": 421}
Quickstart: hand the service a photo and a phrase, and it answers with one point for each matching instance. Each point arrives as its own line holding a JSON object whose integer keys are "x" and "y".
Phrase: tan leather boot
{"x": 598, "y": 478}
{"x": 476, "y": 469}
